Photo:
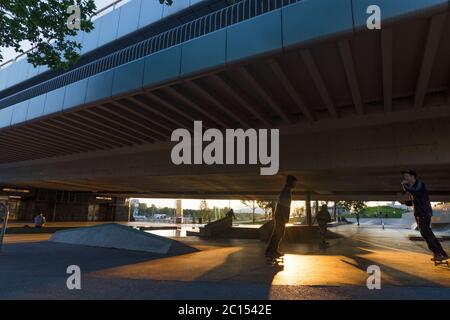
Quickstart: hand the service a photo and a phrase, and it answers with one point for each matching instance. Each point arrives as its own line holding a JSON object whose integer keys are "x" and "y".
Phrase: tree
{"x": 352, "y": 205}
{"x": 298, "y": 212}
{"x": 252, "y": 205}
{"x": 223, "y": 211}
{"x": 205, "y": 211}
{"x": 267, "y": 206}
{"x": 48, "y": 26}
{"x": 142, "y": 209}
{"x": 152, "y": 210}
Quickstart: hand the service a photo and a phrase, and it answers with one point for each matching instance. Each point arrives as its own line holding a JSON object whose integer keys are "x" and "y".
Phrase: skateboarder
{"x": 418, "y": 195}
{"x": 323, "y": 217}
{"x": 280, "y": 218}
{"x": 230, "y": 214}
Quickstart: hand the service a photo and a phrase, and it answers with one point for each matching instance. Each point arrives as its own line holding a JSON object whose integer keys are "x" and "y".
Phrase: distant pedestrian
{"x": 419, "y": 198}
{"x": 230, "y": 214}
{"x": 323, "y": 217}
{"x": 39, "y": 220}
{"x": 357, "y": 218}
{"x": 280, "y": 218}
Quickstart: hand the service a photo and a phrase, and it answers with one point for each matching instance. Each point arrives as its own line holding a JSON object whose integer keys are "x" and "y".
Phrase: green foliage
{"x": 45, "y": 25}
{"x": 374, "y": 212}
{"x": 267, "y": 206}
{"x": 371, "y": 212}
{"x": 352, "y": 205}
{"x": 205, "y": 211}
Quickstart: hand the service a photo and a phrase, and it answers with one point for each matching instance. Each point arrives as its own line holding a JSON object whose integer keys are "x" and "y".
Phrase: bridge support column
{"x": 316, "y": 208}
{"x": 308, "y": 209}
{"x": 335, "y": 211}
{"x": 179, "y": 211}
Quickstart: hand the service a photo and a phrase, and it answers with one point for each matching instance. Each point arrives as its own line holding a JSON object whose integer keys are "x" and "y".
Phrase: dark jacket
{"x": 419, "y": 198}
{"x": 284, "y": 204}
{"x": 323, "y": 217}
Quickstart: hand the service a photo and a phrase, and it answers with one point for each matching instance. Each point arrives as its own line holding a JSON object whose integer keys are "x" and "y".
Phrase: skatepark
{"x": 348, "y": 107}
{"x": 33, "y": 266}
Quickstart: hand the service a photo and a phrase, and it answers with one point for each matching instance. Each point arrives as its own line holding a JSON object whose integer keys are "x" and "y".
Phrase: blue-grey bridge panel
{"x": 20, "y": 112}
{"x": 75, "y": 94}
{"x": 108, "y": 28}
{"x": 314, "y": 19}
{"x": 394, "y": 9}
{"x": 54, "y": 101}
{"x": 36, "y": 107}
{"x": 5, "y": 117}
{"x": 260, "y": 35}
{"x": 129, "y": 17}
{"x": 162, "y": 66}
{"x": 201, "y": 54}
{"x": 100, "y": 86}
{"x": 90, "y": 39}
{"x": 128, "y": 77}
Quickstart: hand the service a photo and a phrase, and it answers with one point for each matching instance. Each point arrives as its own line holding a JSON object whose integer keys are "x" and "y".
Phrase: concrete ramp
{"x": 116, "y": 236}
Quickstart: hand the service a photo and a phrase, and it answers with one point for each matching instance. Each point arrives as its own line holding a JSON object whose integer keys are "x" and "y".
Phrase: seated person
{"x": 39, "y": 220}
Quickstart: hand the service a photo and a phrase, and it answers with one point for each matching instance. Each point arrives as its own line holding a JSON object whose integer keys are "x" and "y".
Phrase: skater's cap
{"x": 409, "y": 171}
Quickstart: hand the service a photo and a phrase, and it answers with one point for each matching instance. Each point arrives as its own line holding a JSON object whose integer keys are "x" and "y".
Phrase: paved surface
{"x": 33, "y": 268}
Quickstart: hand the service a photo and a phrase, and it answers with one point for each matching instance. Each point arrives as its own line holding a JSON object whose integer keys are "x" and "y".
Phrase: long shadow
{"x": 357, "y": 251}
{"x": 245, "y": 270}
{"x": 33, "y": 257}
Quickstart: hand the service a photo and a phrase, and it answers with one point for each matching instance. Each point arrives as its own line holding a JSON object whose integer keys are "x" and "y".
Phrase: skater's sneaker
{"x": 440, "y": 257}
{"x": 444, "y": 257}
{"x": 280, "y": 253}
{"x": 273, "y": 255}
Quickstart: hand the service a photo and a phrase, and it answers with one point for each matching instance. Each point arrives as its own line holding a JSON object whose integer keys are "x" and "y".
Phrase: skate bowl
{"x": 112, "y": 235}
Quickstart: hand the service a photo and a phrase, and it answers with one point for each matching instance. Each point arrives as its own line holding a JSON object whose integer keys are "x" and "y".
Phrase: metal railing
{"x": 211, "y": 22}
{"x": 4, "y": 214}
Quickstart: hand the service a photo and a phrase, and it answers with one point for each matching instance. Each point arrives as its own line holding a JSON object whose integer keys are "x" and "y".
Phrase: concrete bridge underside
{"x": 352, "y": 112}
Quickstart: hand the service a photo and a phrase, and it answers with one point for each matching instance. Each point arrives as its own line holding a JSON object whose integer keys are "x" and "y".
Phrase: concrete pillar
{"x": 316, "y": 209}
{"x": 120, "y": 209}
{"x": 335, "y": 211}
{"x": 308, "y": 209}
{"x": 179, "y": 211}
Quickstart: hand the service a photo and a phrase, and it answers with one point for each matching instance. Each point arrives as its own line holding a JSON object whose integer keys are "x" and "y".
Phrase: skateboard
{"x": 441, "y": 262}
{"x": 275, "y": 261}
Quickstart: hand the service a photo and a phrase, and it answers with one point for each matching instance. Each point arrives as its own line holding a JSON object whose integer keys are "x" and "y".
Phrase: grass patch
{"x": 373, "y": 212}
